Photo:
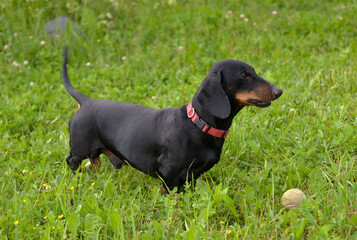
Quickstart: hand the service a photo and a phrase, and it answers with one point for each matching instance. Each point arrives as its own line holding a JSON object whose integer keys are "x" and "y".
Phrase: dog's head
{"x": 233, "y": 84}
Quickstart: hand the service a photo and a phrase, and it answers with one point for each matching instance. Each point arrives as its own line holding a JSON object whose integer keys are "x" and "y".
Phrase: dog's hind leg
{"x": 114, "y": 159}
{"x": 95, "y": 160}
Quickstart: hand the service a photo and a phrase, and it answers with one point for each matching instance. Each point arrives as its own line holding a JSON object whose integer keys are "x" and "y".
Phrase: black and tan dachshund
{"x": 173, "y": 144}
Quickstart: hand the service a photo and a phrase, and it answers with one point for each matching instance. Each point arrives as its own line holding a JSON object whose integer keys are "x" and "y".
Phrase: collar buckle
{"x": 190, "y": 112}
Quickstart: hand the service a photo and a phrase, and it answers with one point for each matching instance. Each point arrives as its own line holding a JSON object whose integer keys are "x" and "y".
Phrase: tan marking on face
{"x": 79, "y": 106}
{"x": 262, "y": 93}
{"x": 242, "y": 97}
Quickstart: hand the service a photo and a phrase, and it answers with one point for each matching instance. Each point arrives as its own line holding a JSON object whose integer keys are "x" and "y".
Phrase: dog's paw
{"x": 72, "y": 163}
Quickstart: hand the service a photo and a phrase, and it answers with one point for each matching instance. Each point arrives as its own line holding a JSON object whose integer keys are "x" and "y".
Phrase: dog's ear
{"x": 212, "y": 97}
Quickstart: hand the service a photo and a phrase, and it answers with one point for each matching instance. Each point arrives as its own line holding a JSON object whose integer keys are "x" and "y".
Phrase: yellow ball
{"x": 292, "y": 198}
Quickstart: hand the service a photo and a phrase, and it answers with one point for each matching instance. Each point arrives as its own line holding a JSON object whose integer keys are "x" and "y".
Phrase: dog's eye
{"x": 244, "y": 75}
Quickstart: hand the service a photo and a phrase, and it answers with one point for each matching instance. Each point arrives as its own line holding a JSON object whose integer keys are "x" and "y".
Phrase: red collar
{"x": 191, "y": 113}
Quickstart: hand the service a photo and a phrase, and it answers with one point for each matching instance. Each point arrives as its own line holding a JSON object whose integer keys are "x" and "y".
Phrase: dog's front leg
{"x": 203, "y": 162}
{"x": 169, "y": 173}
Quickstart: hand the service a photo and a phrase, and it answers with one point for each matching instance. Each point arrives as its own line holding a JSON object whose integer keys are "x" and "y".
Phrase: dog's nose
{"x": 277, "y": 92}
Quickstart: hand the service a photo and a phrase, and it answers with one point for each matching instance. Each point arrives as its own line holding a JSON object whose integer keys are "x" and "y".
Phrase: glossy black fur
{"x": 161, "y": 142}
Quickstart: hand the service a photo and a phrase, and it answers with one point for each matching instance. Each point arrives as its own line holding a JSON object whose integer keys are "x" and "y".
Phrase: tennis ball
{"x": 292, "y": 198}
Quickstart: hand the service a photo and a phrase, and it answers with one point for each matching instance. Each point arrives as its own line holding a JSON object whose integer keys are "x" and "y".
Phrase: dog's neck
{"x": 213, "y": 121}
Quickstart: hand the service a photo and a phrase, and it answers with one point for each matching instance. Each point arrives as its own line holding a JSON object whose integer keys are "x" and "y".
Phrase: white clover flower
{"x": 16, "y": 64}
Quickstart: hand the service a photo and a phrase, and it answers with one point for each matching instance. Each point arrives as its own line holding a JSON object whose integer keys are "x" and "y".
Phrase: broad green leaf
{"x": 91, "y": 221}
{"x": 191, "y": 233}
{"x": 73, "y": 222}
{"x": 353, "y": 220}
{"x": 110, "y": 190}
{"x": 249, "y": 194}
{"x": 114, "y": 222}
{"x": 230, "y": 204}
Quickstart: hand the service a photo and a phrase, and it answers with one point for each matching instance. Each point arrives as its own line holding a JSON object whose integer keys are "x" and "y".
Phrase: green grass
{"x": 306, "y": 139}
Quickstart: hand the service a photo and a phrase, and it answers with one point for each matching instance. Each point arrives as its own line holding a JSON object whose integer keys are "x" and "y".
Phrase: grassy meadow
{"x": 156, "y": 53}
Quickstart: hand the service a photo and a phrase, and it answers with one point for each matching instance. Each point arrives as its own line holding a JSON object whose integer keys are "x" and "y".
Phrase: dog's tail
{"x": 70, "y": 89}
